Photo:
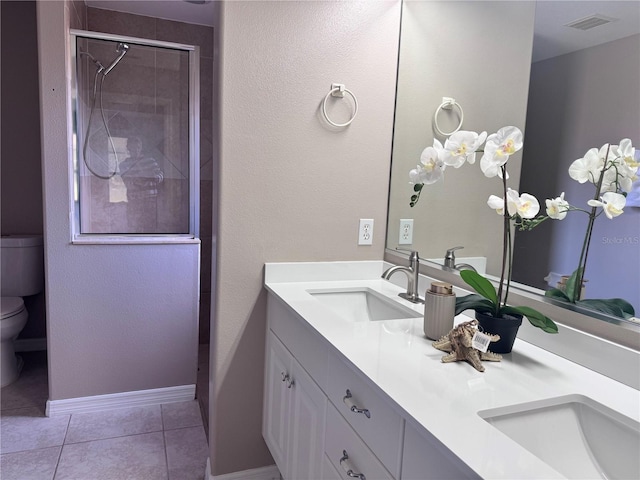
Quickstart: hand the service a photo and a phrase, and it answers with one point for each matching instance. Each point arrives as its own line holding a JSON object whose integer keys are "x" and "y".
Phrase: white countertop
{"x": 443, "y": 398}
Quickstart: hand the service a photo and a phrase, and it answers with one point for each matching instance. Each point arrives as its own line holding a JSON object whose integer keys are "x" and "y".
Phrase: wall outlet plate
{"x": 365, "y": 232}
{"x": 405, "y": 236}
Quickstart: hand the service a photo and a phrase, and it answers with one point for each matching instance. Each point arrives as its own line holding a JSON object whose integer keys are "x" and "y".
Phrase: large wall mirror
{"x": 568, "y": 89}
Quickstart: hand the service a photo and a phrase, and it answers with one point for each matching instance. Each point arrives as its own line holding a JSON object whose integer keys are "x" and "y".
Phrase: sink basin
{"x": 575, "y": 435}
{"x": 363, "y": 305}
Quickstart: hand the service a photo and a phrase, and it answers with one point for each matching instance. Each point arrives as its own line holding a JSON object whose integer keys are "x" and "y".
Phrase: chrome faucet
{"x": 411, "y": 272}
{"x": 450, "y": 261}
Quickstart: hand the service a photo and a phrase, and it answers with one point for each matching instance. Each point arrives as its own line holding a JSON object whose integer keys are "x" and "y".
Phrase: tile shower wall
{"x": 107, "y": 21}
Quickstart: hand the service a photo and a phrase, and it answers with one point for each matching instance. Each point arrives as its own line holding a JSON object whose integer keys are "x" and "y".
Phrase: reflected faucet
{"x": 411, "y": 272}
{"x": 450, "y": 261}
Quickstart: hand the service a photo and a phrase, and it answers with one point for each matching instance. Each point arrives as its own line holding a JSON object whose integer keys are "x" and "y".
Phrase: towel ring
{"x": 338, "y": 90}
{"x": 447, "y": 104}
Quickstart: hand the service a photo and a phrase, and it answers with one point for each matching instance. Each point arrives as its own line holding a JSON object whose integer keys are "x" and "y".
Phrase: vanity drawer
{"x": 346, "y": 451}
{"x": 378, "y": 424}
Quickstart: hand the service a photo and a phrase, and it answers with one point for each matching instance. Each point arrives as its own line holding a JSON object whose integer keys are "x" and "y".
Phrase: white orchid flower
{"x": 461, "y": 147}
{"x": 612, "y": 203}
{"x": 626, "y": 165}
{"x": 587, "y": 168}
{"x": 528, "y": 206}
{"x": 627, "y": 153}
{"x": 525, "y": 205}
{"x": 430, "y": 169}
{"x": 499, "y": 147}
{"x": 496, "y": 203}
{"x": 557, "y": 208}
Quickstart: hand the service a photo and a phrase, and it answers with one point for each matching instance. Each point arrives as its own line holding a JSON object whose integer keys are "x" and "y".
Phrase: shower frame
{"x": 194, "y": 145}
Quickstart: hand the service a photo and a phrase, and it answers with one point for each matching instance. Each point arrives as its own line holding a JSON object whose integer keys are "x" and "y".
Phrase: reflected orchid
{"x": 587, "y": 168}
{"x": 499, "y": 147}
{"x": 431, "y": 168}
{"x": 558, "y": 207}
{"x": 612, "y": 203}
{"x": 461, "y": 147}
{"x": 524, "y": 206}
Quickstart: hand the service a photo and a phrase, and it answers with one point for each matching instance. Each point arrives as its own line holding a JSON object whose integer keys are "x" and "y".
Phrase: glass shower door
{"x": 135, "y": 130}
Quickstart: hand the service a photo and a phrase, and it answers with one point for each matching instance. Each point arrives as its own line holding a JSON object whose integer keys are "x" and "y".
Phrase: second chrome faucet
{"x": 412, "y": 272}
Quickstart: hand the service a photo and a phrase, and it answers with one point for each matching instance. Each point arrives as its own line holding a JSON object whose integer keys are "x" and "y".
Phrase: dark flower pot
{"x": 506, "y": 326}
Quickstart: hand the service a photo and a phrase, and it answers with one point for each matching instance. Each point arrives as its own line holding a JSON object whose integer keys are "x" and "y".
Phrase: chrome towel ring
{"x": 447, "y": 104}
{"x": 338, "y": 90}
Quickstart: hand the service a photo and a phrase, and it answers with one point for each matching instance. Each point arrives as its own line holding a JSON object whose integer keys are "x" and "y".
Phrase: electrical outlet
{"x": 365, "y": 232}
{"x": 406, "y": 231}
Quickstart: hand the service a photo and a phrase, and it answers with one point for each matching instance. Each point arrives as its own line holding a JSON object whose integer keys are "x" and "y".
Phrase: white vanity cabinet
{"x": 294, "y": 414}
{"x": 324, "y": 419}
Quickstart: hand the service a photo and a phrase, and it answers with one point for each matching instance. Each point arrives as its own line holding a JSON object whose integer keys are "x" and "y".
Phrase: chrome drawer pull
{"x": 346, "y": 466}
{"x": 288, "y": 379}
{"x": 349, "y": 403}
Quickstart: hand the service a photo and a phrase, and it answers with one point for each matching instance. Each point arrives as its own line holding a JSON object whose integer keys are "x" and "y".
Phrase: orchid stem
{"x": 505, "y": 239}
{"x": 582, "y": 263}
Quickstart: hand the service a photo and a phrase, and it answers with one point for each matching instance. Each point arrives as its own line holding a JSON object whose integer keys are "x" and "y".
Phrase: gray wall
{"x": 20, "y": 158}
{"x": 580, "y": 101}
{"x": 291, "y": 187}
{"x": 120, "y": 317}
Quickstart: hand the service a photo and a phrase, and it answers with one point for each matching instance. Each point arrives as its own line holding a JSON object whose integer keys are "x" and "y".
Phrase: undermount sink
{"x": 363, "y": 305}
{"x": 575, "y": 435}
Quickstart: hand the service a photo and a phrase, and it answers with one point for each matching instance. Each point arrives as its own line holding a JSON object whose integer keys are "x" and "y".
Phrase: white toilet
{"x": 22, "y": 274}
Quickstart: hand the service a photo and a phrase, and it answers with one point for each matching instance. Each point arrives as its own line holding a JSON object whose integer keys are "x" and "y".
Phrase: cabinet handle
{"x": 346, "y": 466}
{"x": 286, "y": 378}
{"x": 349, "y": 403}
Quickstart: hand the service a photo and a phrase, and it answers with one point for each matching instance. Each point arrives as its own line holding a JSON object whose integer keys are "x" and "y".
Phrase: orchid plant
{"x": 612, "y": 169}
{"x": 521, "y": 209}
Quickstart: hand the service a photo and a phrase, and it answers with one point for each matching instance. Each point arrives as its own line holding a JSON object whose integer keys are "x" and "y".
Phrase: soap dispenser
{"x": 439, "y": 310}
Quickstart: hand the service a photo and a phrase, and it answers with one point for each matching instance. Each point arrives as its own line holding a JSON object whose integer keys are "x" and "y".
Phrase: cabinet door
{"x": 277, "y": 394}
{"x": 306, "y": 430}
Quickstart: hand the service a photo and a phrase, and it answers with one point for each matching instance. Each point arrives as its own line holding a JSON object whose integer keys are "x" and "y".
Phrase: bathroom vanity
{"x": 353, "y": 395}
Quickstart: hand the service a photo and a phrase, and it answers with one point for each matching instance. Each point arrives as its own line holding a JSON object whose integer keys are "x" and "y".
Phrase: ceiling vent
{"x": 591, "y": 21}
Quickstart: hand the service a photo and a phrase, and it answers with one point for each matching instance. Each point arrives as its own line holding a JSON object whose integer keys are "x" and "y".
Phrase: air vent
{"x": 591, "y": 21}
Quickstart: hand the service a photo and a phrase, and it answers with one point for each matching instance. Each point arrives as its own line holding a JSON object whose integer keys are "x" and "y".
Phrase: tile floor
{"x": 156, "y": 442}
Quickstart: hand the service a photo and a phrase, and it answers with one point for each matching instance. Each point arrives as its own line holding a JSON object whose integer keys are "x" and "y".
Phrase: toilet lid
{"x": 9, "y": 306}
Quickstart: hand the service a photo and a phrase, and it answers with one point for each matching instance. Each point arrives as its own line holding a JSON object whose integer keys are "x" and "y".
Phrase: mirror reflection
{"x": 574, "y": 89}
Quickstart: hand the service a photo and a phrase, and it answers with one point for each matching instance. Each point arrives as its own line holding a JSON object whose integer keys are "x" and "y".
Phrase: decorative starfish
{"x": 458, "y": 343}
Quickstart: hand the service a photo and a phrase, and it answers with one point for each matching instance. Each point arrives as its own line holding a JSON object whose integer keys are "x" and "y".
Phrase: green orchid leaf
{"x": 557, "y": 293}
{"x": 473, "y": 302}
{"x": 535, "y": 318}
{"x": 626, "y": 307}
{"x": 572, "y": 289}
{"x": 480, "y": 285}
{"x": 604, "y": 306}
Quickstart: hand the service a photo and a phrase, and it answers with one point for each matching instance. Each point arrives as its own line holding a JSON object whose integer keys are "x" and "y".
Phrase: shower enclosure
{"x": 135, "y": 137}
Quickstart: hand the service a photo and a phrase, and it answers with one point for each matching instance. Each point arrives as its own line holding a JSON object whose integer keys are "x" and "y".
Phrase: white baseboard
{"x": 30, "y": 344}
{"x": 138, "y": 398}
{"x": 264, "y": 473}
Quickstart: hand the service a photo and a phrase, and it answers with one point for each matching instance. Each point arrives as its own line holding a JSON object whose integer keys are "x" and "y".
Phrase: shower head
{"x": 122, "y": 49}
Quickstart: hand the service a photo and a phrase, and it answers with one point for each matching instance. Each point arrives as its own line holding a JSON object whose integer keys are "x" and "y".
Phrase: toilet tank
{"x": 22, "y": 259}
